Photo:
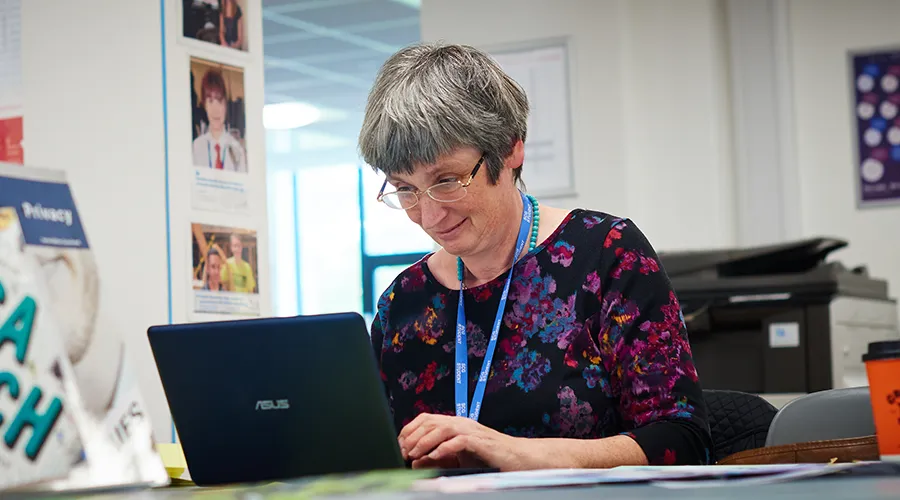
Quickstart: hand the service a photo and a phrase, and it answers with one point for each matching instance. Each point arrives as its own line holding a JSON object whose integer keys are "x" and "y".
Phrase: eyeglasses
{"x": 446, "y": 191}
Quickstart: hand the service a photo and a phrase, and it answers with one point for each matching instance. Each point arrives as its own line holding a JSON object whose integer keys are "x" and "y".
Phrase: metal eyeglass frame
{"x": 416, "y": 193}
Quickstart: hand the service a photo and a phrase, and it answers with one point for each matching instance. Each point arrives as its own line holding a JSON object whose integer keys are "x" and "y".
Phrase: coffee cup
{"x": 883, "y": 371}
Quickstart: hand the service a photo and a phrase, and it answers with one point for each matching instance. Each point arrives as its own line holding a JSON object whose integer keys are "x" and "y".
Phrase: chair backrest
{"x": 829, "y": 414}
{"x": 738, "y": 421}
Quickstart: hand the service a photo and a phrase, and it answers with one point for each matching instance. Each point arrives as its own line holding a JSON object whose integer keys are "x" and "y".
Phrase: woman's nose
{"x": 433, "y": 212}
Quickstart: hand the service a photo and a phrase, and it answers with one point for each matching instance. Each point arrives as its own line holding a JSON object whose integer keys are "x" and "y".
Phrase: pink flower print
{"x": 561, "y": 253}
{"x": 627, "y": 260}
{"x": 592, "y": 283}
{"x": 408, "y": 380}
{"x": 593, "y": 220}
{"x": 575, "y": 418}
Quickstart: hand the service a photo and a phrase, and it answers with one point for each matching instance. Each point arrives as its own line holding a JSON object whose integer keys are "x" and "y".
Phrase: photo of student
{"x": 225, "y": 259}
{"x": 218, "y": 118}
{"x": 231, "y": 25}
{"x": 237, "y": 272}
{"x": 212, "y": 271}
{"x": 220, "y": 22}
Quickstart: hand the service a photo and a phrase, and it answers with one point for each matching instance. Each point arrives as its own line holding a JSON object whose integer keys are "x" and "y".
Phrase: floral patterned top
{"x": 592, "y": 344}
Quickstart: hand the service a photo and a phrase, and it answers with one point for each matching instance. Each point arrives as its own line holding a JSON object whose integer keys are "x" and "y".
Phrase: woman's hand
{"x": 444, "y": 441}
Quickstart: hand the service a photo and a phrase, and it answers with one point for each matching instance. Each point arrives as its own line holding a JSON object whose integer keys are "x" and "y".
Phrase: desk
{"x": 812, "y": 489}
{"x": 862, "y": 488}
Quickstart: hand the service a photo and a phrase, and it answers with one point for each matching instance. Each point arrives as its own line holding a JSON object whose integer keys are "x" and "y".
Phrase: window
{"x": 323, "y": 259}
{"x": 333, "y": 247}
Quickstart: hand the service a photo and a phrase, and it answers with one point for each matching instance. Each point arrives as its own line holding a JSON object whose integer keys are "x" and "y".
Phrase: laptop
{"x": 276, "y": 398}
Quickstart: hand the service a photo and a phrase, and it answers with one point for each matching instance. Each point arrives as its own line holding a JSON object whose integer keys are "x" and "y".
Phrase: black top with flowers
{"x": 592, "y": 344}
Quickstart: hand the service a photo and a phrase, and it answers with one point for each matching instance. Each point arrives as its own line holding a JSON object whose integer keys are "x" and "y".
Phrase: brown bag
{"x": 833, "y": 450}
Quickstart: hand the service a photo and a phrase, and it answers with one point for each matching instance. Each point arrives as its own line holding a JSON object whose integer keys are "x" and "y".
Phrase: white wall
{"x": 93, "y": 101}
{"x": 651, "y": 122}
{"x": 766, "y": 174}
{"x": 822, "y": 31}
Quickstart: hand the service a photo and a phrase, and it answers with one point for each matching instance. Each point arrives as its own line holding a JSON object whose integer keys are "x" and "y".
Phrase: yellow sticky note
{"x": 173, "y": 458}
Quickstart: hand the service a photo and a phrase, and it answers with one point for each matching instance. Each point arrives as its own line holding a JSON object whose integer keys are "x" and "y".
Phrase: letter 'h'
{"x": 40, "y": 424}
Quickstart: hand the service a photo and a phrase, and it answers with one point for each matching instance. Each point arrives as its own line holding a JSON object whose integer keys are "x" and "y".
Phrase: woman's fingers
{"x": 413, "y": 431}
{"x": 431, "y": 439}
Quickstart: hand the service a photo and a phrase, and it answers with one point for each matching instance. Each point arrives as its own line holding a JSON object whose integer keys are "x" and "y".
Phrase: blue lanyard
{"x": 462, "y": 347}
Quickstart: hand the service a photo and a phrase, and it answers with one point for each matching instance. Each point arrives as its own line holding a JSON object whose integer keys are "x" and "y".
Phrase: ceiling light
{"x": 416, "y": 4}
{"x": 289, "y": 115}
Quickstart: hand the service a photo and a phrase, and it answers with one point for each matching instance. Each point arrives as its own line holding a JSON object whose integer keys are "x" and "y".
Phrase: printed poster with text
{"x": 876, "y": 92}
{"x": 65, "y": 374}
{"x": 225, "y": 274}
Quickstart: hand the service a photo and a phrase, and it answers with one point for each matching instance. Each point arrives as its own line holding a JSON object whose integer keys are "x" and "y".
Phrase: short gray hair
{"x": 430, "y": 99}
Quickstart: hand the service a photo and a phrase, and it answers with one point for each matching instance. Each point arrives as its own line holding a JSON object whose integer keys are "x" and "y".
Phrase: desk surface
{"x": 862, "y": 488}
{"x": 818, "y": 489}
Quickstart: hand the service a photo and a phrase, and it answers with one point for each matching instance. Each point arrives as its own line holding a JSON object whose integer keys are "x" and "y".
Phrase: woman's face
{"x": 469, "y": 225}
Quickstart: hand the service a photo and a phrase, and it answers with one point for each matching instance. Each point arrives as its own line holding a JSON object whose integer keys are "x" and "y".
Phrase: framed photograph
{"x": 541, "y": 68}
{"x": 217, "y": 22}
{"x": 225, "y": 272}
{"x": 219, "y": 180}
{"x": 218, "y": 116}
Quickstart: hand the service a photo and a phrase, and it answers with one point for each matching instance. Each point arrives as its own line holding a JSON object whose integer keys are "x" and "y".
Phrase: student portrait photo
{"x": 218, "y": 118}
{"x": 220, "y": 22}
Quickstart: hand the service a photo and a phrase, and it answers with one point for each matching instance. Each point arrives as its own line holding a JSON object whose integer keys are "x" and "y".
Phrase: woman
{"x": 576, "y": 354}
{"x": 231, "y": 27}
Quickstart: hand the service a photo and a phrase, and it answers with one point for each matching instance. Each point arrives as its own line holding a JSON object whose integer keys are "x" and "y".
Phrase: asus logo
{"x": 268, "y": 404}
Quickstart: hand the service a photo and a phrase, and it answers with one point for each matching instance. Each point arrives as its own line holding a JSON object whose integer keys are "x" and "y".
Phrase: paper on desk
{"x": 795, "y": 472}
{"x": 669, "y": 476}
{"x": 517, "y": 480}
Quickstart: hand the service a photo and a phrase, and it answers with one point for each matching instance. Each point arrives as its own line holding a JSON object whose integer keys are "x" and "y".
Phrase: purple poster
{"x": 876, "y": 91}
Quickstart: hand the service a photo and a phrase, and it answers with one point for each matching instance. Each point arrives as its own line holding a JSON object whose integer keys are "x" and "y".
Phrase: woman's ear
{"x": 516, "y": 157}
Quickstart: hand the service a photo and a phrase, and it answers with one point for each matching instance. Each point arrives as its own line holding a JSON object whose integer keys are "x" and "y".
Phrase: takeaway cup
{"x": 883, "y": 370}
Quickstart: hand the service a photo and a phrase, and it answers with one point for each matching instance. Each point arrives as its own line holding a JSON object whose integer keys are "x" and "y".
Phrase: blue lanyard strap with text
{"x": 462, "y": 348}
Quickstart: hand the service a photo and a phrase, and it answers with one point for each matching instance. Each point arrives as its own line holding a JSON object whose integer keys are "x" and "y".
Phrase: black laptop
{"x": 277, "y": 398}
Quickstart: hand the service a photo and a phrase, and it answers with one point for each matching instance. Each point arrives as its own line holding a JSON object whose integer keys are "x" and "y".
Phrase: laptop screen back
{"x": 275, "y": 398}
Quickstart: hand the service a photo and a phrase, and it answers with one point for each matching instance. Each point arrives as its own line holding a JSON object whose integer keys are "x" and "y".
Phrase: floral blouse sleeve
{"x": 377, "y": 330}
{"x": 646, "y": 353}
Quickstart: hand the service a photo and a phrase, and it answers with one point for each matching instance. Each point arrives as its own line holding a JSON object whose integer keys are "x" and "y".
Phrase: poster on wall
{"x": 541, "y": 69}
{"x": 69, "y": 380}
{"x": 219, "y": 22}
{"x": 876, "y": 102}
{"x": 225, "y": 271}
{"x": 218, "y": 125}
{"x": 11, "y": 148}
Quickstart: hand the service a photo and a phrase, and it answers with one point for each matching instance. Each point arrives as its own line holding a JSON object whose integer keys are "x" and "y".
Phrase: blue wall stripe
{"x": 165, "y": 105}
{"x": 297, "y": 242}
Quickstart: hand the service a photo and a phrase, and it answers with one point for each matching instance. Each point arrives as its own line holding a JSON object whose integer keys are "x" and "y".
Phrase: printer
{"x": 779, "y": 319}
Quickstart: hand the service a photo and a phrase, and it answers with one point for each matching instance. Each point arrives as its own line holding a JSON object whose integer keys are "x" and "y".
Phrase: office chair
{"x": 738, "y": 421}
{"x": 823, "y": 415}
